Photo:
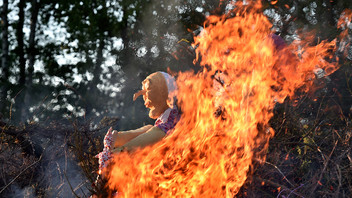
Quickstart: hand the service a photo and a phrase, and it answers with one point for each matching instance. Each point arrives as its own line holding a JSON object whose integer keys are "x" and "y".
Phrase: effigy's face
{"x": 155, "y": 94}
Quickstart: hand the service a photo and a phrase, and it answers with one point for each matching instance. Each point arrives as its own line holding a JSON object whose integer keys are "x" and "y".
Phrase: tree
{"x": 20, "y": 51}
{"x": 142, "y": 37}
{"x": 20, "y": 38}
{"x": 32, "y": 52}
{"x": 5, "y": 54}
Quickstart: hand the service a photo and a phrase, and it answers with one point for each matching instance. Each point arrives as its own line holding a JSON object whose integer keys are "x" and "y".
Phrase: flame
{"x": 210, "y": 155}
{"x": 274, "y": 2}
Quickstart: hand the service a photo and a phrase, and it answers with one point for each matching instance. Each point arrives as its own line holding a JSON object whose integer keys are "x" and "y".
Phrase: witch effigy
{"x": 158, "y": 91}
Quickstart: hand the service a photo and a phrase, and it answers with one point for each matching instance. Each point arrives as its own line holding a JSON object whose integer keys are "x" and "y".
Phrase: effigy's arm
{"x": 153, "y": 135}
{"x": 120, "y": 138}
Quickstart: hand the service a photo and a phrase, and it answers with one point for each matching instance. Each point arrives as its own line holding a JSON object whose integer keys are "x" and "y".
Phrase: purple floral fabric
{"x": 167, "y": 122}
{"x": 105, "y": 155}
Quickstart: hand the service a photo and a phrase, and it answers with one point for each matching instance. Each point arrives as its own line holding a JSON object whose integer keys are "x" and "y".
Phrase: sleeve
{"x": 105, "y": 156}
{"x": 170, "y": 123}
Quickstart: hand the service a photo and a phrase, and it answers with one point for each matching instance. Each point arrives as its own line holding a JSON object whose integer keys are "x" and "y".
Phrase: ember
{"x": 210, "y": 155}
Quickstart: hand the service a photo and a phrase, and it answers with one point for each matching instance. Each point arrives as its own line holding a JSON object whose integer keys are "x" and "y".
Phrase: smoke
{"x": 59, "y": 172}
{"x": 17, "y": 192}
{"x": 61, "y": 175}
{"x": 44, "y": 167}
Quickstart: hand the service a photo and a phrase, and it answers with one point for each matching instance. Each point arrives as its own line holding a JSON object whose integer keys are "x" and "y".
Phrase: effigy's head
{"x": 157, "y": 91}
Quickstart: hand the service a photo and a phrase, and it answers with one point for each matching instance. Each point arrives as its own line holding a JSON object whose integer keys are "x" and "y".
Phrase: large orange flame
{"x": 210, "y": 155}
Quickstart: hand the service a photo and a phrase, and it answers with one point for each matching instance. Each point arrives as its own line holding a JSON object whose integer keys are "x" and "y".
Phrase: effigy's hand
{"x": 117, "y": 140}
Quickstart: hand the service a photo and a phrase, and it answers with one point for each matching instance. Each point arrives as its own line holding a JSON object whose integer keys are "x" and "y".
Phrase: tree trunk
{"x": 96, "y": 79}
{"x": 99, "y": 61}
{"x": 20, "y": 53}
{"x": 5, "y": 55}
{"x": 22, "y": 60}
{"x": 31, "y": 58}
{"x": 32, "y": 45}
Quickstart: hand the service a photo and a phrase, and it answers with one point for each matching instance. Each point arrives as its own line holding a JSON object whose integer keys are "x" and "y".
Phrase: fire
{"x": 209, "y": 155}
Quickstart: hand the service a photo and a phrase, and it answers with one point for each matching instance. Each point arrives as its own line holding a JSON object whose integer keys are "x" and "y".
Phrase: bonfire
{"x": 211, "y": 155}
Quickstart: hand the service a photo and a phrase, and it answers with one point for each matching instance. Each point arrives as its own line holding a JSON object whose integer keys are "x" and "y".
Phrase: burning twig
{"x": 188, "y": 48}
{"x": 280, "y": 186}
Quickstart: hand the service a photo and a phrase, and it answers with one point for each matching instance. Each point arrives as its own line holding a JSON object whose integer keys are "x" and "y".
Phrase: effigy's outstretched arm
{"x": 120, "y": 138}
{"x": 153, "y": 135}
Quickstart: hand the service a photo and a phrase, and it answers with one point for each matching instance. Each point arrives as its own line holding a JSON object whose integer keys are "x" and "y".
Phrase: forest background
{"x": 69, "y": 70}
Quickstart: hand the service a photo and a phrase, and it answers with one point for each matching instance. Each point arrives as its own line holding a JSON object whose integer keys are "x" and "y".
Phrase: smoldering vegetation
{"x": 46, "y": 159}
{"x": 310, "y": 154}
